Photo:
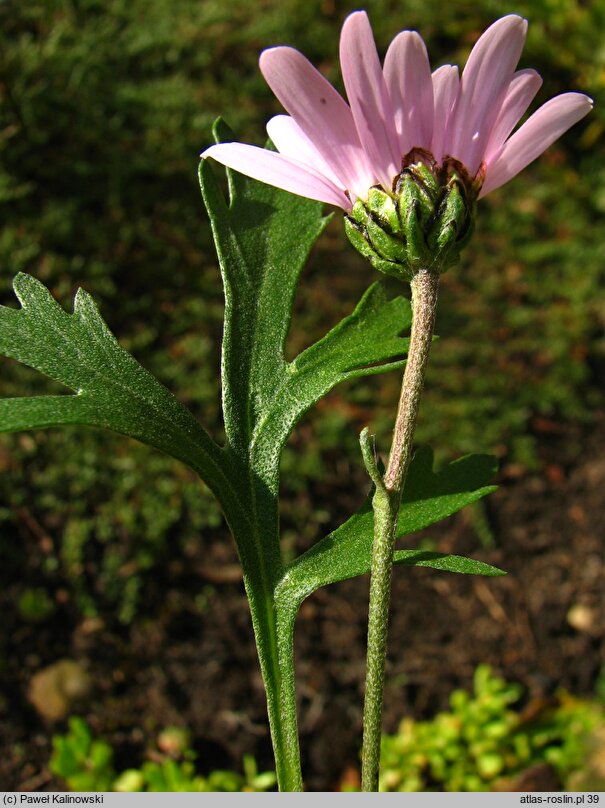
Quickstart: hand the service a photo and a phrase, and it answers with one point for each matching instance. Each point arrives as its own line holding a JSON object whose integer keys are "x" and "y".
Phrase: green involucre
{"x": 423, "y": 223}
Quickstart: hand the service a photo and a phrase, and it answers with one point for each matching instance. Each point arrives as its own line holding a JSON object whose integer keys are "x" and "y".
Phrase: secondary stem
{"x": 386, "y": 503}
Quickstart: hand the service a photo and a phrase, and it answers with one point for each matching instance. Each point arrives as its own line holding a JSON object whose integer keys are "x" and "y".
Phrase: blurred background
{"x": 122, "y": 601}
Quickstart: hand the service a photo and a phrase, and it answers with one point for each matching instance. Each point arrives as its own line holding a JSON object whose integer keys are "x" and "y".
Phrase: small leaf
{"x": 428, "y": 498}
{"x": 111, "y": 389}
{"x": 445, "y": 562}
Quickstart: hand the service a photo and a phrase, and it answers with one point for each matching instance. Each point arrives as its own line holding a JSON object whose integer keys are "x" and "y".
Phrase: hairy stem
{"x": 275, "y": 647}
{"x": 386, "y": 503}
{"x": 273, "y": 631}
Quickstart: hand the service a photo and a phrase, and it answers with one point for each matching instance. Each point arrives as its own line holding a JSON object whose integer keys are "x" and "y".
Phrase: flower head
{"x": 402, "y": 115}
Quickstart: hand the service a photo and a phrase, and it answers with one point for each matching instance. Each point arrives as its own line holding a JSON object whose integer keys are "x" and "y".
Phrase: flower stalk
{"x": 386, "y": 504}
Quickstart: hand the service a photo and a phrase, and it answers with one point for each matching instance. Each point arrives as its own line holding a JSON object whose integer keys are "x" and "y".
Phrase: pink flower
{"x": 335, "y": 152}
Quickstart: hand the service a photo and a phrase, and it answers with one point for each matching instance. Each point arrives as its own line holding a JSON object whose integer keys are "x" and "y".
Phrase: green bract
{"x": 422, "y": 224}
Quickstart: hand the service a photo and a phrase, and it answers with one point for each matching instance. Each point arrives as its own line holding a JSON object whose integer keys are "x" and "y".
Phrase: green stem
{"x": 386, "y": 503}
{"x": 254, "y": 526}
{"x": 291, "y": 779}
{"x": 274, "y": 639}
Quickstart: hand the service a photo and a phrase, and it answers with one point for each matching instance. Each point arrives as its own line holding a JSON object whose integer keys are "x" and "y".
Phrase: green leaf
{"x": 111, "y": 389}
{"x": 428, "y": 497}
{"x": 445, "y": 562}
{"x": 263, "y": 237}
{"x": 364, "y": 343}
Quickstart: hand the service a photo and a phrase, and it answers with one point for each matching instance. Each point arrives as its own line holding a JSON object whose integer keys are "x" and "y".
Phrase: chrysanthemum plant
{"x": 406, "y": 159}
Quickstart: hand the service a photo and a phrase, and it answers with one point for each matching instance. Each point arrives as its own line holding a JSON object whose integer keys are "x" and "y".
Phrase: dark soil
{"x": 543, "y": 625}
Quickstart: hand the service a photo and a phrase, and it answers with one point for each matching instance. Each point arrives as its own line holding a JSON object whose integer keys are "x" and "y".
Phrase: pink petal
{"x": 368, "y": 97}
{"x": 282, "y": 172}
{"x": 445, "y": 90}
{"x": 290, "y": 140}
{"x": 483, "y": 86}
{"x": 321, "y": 113}
{"x": 407, "y": 74}
{"x": 521, "y": 92}
{"x": 535, "y": 136}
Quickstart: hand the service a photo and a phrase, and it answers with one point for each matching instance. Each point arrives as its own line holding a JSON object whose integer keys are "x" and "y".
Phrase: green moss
{"x": 485, "y": 740}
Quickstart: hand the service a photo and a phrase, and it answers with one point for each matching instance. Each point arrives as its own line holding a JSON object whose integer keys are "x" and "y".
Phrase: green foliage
{"x": 263, "y": 237}
{"x": 105, "y": 107}
{"x": 115, "y": 523}
{"x": 264, "y": 396}
{"x": 485, "y": 739}
{"x": 35, "y": 605}
{"x": 112, "y": 390}
{"x": 86, "y": 764}
{"x": 428, "y": 498}
{"x": 261, "y": 256}
{"x": 104, "y": 110}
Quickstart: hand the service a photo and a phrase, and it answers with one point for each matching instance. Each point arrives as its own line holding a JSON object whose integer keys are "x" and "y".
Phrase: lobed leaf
{"x": 263, "y": 237}
{"x": 366, "y": 342}
{"x": 428, "y": 497}
{"x": 110, "y": 388}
